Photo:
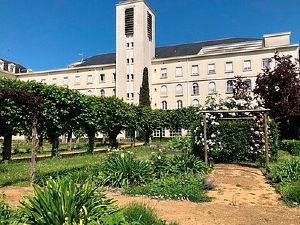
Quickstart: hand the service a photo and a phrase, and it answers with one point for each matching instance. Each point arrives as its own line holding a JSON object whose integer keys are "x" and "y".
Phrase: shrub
{"x": 123, "y": 170}
{"x": 182, "y": 187}
{"x": 233, "y": 148}
{"x": 141, "y": 214}
{"x": 180, "y": 143}
{"x": 5, "y": 212}
{"x": 63, "y": 201}
{"x": 179, "y": 164}
{"x": 287, "y": 171}
{"x": 291, "y": 193}
{"x": 291, "y": 146}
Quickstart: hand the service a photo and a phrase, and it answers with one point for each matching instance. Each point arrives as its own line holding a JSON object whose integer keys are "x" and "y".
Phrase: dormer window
{"x": 1, "y": 65}
{"x": 12, "y": 68}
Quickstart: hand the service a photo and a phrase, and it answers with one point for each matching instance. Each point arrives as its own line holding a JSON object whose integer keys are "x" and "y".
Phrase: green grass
{"x": 19, "y": 173}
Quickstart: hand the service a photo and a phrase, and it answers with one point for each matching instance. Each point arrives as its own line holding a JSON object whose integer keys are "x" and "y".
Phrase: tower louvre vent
{"x": 149, "y": 26}
{"x": 129, "y": 21}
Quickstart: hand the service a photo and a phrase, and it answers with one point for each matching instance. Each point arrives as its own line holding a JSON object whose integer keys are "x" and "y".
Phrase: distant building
{"x": 10, "y": 69}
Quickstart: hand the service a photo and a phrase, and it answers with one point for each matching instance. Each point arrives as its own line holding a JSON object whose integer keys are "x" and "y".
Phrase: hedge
{"x": 291, "y": 146}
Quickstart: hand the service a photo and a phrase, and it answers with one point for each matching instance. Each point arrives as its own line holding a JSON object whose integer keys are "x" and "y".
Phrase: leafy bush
{"x": 291, "y": 193}
{"x": 182, "y": 187}
{"x": 179, "y": 164}
{"x": 123, "y": 170}
{"x": 63, "y": 201}
{"x": 233, "y": 141}
{"x": 287, "y": 171}
{"x": 5, "y": 212}
{"x": 180, "y": 143}
{"x": 291, "y": 146}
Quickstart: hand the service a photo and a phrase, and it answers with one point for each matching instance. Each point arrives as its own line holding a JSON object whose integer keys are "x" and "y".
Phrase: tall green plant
{"x": 63, "y": 201}
{"x": 144, "y": 90}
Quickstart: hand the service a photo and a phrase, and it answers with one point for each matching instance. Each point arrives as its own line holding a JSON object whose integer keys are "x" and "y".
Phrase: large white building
{"x": 179, "y": 75}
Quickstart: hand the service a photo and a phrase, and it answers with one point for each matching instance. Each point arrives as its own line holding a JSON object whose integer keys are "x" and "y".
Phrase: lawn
{"x": 18, "y": 173}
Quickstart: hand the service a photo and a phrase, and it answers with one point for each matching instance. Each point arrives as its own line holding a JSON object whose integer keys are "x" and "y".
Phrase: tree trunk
{"x": 147, "y": 137}
{"x": 91, "y": 136}
{"x": 40, "y": 142}
{"x": 55, "y": 144}
{"x": 7, "y": 143}
{"x": 69, "y": 141}
{"x": 113, "y": 140}
{"x": 33, "y": 150}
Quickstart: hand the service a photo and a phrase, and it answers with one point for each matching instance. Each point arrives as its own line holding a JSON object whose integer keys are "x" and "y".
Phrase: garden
{"x": 75, "y": 190}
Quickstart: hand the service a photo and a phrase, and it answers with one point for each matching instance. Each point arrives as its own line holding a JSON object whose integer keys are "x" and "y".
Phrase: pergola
{"x": 265, "y": 116}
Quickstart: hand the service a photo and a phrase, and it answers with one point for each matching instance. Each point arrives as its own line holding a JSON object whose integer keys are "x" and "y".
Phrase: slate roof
{"x": 167, "y": 51}
{"x": 19, "y": 68}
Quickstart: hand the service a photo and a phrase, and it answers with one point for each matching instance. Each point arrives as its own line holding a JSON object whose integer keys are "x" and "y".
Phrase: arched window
{"x": 195, "y": 103}
{"x": 89, "y": 92}
{"x": 102, "y": 93}
{"x": 179, "y": 104}
{"x": 229, "y": 86}
{"x": 195, "y": 90}
{"x": 179, "y": 89}
{"x": 164, "y": 90}
{"x": 212, "y": 87}
{"x": 248, "y": 84}
{"x": 164, "y": 105}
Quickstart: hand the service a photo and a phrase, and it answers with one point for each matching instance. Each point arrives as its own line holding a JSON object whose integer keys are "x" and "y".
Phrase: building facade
{"x": 179, "y": 75}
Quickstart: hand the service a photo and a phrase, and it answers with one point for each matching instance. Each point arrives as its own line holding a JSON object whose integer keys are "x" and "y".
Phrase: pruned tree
{"x": 144, "y": 90}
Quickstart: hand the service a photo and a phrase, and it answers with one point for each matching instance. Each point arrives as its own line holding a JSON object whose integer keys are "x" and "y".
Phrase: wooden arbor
{"x": 265, "y": 116}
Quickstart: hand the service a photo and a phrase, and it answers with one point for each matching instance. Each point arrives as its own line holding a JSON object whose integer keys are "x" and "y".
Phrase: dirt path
{"x": 241, "y": 197}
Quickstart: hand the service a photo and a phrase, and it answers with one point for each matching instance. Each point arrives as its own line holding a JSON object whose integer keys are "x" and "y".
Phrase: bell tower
{"x": 135, "y": 46}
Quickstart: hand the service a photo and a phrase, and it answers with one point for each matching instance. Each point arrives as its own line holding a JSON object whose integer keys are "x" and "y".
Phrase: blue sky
{"x": 51, "y": 34}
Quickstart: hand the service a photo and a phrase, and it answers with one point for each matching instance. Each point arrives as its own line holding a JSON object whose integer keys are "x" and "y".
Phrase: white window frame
{"x": 164, "y": 105}
{"x": 90, "y": 79}
{"x": 194, "y": 90}
{"x": 179, "y": 104}
{"x": 163, "y": 73}
{"x": 230, "y": 68}
{"x": 66, "y": 81}
{"x": 197, "y": 103}
{"x": 163, "y": 91}
{"x": 211, "y": 68}
{"x": 100, "y": 78}
{"x": 229, "y": 91}
{"x": 179, "y": 71}
{"x": 263, "y": 63}
{"x": 179, "y": 92}
{"x": 77, "y": 80}
{"x": 247, "y": 67}
{"x": 102, "y": 93}
{"x": 209, "y": 87}
{"x": 249, "y": 88}
{"x": 195, "y": 70}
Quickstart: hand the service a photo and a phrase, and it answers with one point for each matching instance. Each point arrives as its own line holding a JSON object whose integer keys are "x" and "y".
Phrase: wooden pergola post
{"x": 205, "y": 138}
{"x": 266, "y": 118}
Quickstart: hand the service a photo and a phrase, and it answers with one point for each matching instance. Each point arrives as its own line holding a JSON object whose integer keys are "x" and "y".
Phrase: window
{"x": 128, "y": 61}
{"x": 164, "y": 91}
{"x": 132, "y": 60}
{"x": 248, "y": 84}
{"x": 1, "y": 65}
{"x": 129, "y": 21}
{"x": 174, "y": 133}
{"x": 128, "y": 95}
{"x": 132, "y": 95}
{"x": 179, "y": 90}
{"x": 266, "y": 63}
{"x": 164, "y": 105}
{"x": 247, "y": 65}
{"x": 77, "y": 80}
{"x": 195, "y": 70}
{"x": 179, "y": 104}
{"x": 102, "y": 93}
{"x": 132, "y": 44}
{"x": 12, "y": 68}
{"x": 211, "y": 68}
{"x": 43, "y": 81}
{"x": 54, "y": 81}
{"x": 158, "y": 132}
{"x": 229, "y": 67}
{"x": 229, "y": 88}
{"x": 178, "y": 71}
{"x": 163, "y": 73}
{"x": 195, "y": 89}
{"x": 66, "y": 81}
{"x": 212, "y": 87}
{"x": 102, "y": 78}
{"x": 128, "y": 44}
{"x": 114, "y": 92}
{"x": 114, "y": 77}
{"x": 90, "y": 79}
{"x": 132, "y": 76}
{"x": 195, "y": 103}
{"x": 149, "y": 26}
{"x": 128, "y": 77}
{"x": 89, "y": 92}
